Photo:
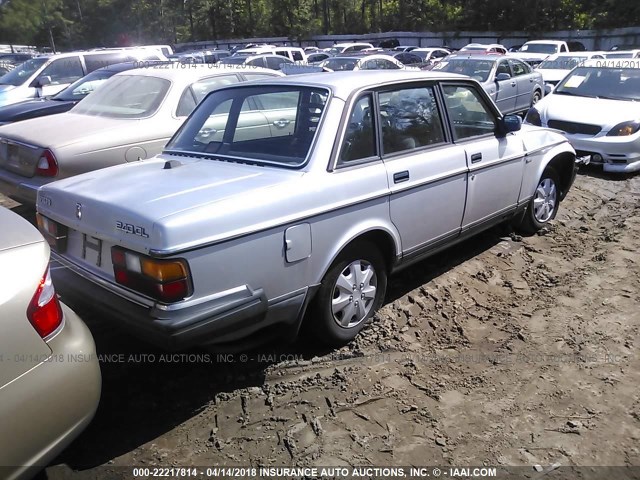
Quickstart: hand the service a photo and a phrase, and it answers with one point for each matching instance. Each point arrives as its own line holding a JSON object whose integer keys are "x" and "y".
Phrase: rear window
{"x": 266, "y": 125}
{"x": 126, "y": 96}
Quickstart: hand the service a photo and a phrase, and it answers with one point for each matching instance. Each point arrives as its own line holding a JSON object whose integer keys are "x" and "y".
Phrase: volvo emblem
{"x": 79, "y": 211}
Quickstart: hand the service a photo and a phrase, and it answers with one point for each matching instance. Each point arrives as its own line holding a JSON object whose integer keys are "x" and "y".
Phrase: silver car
{"x": 294, "y": 199}
{"x": 49, "y": 374}
{"x": 511, "y": 83}
{"x": 129, "y": 118}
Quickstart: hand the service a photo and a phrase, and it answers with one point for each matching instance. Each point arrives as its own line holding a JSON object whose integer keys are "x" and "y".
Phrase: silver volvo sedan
{"x": 294, "y": 199}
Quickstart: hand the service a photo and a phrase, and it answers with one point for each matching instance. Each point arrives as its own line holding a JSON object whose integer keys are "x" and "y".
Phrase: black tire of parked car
{"x": 529, "y": 223}
{"x": 322, "y": 323}
{"x": 536, "y": 97}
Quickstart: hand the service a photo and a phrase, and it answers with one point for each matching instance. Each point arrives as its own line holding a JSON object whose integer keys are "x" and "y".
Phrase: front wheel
{"x": 545, "y": 202}
{"x": 536, "y": 98}
{"x": 350, "y": 293}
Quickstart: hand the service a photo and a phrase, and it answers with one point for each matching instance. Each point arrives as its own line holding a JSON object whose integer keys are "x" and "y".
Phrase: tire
{"x": 544, "y": 205}
{"x": 337, "y": 323}
{"x": 536, "y": 98}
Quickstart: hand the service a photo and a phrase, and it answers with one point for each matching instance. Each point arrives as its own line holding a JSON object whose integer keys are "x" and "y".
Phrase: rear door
{"x": 496, "y": 164}
{"x": 427, "y": 174}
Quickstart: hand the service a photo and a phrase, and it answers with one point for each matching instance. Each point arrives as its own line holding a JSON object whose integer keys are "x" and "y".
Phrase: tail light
{"x": 44, "y": 312}
{"x": 47, "y": 164}
{"x": 54, "y": 232}
{"x": 165, "y": 280}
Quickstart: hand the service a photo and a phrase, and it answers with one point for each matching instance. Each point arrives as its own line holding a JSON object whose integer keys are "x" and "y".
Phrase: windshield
{"x": 602, "y": 82}
{"x": 478, "y": 69}
{"x": 23, "y": 72}
{"x": 340, "y": 63}
{"x": 83, "y": 87}
{"x": 539, "y": 48}
{"x": 562, "y": 63}
{"x": 126, "y": 96}
{"x": 266, "y": 125}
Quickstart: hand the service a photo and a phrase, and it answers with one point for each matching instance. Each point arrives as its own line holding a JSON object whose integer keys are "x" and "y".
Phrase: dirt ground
{"x": 501, "y": 351}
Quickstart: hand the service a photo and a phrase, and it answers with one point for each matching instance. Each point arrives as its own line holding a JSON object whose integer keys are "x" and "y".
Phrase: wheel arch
{"x": 385, "y": 239}
{"x": 564, "y": 165}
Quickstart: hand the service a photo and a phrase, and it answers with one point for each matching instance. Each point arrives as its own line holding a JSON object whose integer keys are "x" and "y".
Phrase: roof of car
{"x": 179, "y": 71}
{"x": 344, "y": 82}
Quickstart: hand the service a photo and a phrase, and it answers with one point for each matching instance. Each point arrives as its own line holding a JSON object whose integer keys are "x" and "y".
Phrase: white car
{"x": 494, "y": 48}
{"x": 340, "y": 48}
{"x": 555, "y": 67}
{"x": 130, "y": 118}
{"x": 596, "y": 106}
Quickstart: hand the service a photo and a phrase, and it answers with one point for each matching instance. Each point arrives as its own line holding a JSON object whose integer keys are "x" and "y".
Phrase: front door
{"x": 495, "y": 164}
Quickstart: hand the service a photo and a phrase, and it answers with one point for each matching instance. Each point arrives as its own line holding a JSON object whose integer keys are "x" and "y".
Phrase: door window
{"x": 503, "y": 67}
{"x": 64, "y": 70}
{"x": 410, "y": 119}
{"x": 468, "y": 112}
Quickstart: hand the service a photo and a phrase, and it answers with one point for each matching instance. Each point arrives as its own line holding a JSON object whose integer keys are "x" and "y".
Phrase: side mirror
{"x": 547, "y": 88}
{"x": 502, "y": 76}
{"x": 511, "y": 123}
{"x": 42, "y": 81}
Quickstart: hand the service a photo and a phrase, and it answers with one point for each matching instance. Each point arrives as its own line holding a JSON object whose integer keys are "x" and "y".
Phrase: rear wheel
{"x": 350, "y": 293}
{"x": 544, "y": 204}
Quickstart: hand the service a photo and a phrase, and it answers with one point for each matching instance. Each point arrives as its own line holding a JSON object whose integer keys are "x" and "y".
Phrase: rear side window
{"x": 64, "y": 70}
{"x": 410, "y": 119}
{"x": 297, "y": 56}
{"x": 359, "y": 141}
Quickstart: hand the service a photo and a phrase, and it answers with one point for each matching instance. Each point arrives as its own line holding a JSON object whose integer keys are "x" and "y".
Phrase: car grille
{"x": 573, "y": 127}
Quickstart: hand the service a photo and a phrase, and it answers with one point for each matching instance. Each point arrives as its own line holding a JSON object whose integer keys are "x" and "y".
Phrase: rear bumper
{"x": 21, "y": 189}
{"x": 45, "y": 409}
{"x": 226, "y": 317}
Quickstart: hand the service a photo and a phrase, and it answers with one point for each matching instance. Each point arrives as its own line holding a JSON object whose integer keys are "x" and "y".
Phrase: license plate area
{"x": 91, "y": 252}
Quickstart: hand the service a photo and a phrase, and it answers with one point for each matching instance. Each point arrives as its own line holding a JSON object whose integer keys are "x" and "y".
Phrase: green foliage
{"x": 88, "y": 23}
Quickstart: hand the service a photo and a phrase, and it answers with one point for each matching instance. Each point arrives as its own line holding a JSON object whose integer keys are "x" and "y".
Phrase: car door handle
{"x": 401, "y": 177}
{"x": 513, "y": 84}
{"x": 281, "y": 123}
{"x": 476, "y": 157}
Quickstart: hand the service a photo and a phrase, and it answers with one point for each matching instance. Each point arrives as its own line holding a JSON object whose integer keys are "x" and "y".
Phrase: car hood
{"x": 593, "y": 111}
{"x": 33, "y": 108}
{"x": 6, "y": 88}
{"x": 64, "y": 129}
{"x": 194, "y": 202}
